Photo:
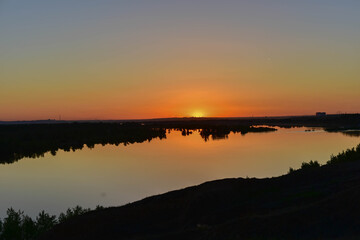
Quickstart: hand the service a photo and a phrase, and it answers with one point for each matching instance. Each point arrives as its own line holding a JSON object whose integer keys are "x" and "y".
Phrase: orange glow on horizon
{"x": 199, "y": 100}
{"x": 198, "y": 114}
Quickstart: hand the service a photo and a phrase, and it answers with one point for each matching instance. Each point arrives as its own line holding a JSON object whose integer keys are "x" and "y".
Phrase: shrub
{"x": 72, "y": 212}
{"x": 310, "y": 165}
{"x": 349, "y": 155}
{"x": 291, "y": 170}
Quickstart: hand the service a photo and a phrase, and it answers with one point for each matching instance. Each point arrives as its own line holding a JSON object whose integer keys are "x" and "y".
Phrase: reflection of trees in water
{"x": 33, "y": 141}
{"x": 217, "y": 132}
{"x": 223, "y": 132}
{"x": 347, "y": 131}
{"x": 352, "y": 133}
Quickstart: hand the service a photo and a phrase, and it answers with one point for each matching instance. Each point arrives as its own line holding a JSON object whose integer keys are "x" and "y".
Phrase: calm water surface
{"x": 112, "y": 176}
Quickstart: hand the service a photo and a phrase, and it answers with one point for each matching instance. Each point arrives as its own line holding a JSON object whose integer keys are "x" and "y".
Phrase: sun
{"x": 198, "y": 114}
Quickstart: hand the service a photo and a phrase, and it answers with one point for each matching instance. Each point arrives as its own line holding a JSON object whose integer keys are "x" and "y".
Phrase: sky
{"x": 132, "y": 59}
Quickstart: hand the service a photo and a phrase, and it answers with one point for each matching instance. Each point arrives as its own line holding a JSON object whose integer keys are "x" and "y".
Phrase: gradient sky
{"x": 108, "y": 59}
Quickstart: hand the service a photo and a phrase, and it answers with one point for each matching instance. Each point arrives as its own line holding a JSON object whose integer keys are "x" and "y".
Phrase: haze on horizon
{"x": 166, "y": 58}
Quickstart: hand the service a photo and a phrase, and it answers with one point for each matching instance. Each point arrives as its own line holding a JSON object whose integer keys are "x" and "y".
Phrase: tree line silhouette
{"x": 349, "y": 155}
{"x": 34, "y": 140}
{"x": 353, "y": 133}
{"x": 19, "y": 141}
{"x": 18, "y": 226}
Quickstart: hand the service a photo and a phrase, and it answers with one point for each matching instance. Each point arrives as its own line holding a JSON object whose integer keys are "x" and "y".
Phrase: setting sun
{"x": 197, "y": 114}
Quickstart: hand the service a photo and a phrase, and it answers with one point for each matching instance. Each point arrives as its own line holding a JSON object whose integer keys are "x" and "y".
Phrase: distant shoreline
{"x": 34, "y": 139}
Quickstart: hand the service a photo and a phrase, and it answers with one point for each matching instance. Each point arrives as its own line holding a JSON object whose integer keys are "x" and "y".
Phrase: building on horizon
{"x": 321, "y": 114}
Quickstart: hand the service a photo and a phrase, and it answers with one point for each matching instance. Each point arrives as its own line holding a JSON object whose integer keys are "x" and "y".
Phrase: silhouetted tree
{"x": 310, "y": 165}
{"x": 72, "y": 212}
{"x": 12, "y": 225}
{"x": 98, "y": 207}
{"x": 28, "y": 228}
{"x": 45, "y": 222}
{"x": 349, "y": 155}
{"x": 291, "y": 170}
{"x": 17, "y": 226}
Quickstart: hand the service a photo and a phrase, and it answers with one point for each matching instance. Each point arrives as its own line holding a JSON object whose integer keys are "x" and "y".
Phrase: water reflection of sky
{"x": 110, "y": 175}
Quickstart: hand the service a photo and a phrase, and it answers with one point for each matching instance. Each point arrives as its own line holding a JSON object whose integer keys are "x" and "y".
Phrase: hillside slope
{"x": 320, "y": 203}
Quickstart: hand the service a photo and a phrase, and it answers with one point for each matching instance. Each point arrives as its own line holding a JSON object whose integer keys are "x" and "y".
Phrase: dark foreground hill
{"x": 314, "y": 203}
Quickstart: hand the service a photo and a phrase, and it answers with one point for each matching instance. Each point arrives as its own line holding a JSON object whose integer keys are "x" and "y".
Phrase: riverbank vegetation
{"x": 349, "y": 155}
{"x": 33, "y": 139}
